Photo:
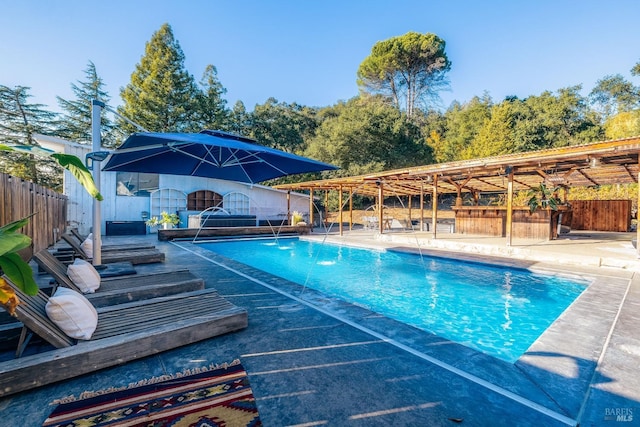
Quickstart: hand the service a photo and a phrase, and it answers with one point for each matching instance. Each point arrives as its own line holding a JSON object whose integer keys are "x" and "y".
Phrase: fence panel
{"x": 601, "y": 215}
{"x": 20, "y": 198}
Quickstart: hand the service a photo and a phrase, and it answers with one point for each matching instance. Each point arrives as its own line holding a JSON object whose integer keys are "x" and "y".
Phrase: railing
{"x": 20, "y": 198}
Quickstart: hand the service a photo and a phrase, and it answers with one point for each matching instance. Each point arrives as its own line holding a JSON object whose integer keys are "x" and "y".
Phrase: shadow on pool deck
{"x": 315, "y": 360}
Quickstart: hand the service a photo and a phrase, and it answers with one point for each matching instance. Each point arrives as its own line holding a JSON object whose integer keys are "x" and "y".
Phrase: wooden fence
{"x": 20, "y": 198}
{"x": 600, "y": 215}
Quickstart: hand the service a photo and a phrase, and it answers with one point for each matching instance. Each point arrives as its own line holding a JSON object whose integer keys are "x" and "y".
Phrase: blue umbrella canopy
{"x": 212, "y": 154}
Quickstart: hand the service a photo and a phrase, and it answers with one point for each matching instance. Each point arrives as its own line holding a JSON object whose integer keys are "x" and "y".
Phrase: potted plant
{"x": 296, "y": 218}
{"x": 166, "y": 220}
{"x": 542, "y": 197}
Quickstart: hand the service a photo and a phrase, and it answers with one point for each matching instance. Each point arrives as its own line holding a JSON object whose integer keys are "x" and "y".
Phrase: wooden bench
{"x": 79, "y": 238}
{"x": 135, "y": 256}
{"x": 118, "y": 290}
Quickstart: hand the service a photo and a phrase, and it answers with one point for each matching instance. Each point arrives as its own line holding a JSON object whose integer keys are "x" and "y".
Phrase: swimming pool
{"x": 499, "y": 311}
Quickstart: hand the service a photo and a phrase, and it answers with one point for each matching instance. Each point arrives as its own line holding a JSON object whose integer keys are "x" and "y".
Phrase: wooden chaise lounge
{"x": 125, "y": 332}
{"x": 79, "y": 238}
{"x": 135, "y": 256}
{"x": 118, "y": 290}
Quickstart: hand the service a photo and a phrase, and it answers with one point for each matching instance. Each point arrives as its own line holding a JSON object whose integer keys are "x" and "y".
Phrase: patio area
{"x": 314, "y": 360}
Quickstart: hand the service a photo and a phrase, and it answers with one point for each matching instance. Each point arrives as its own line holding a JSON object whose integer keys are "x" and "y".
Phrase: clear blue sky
{"x": 309, "y": 51}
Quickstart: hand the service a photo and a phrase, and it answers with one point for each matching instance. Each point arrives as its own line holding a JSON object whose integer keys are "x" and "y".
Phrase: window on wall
{"x": 136, "y": 184}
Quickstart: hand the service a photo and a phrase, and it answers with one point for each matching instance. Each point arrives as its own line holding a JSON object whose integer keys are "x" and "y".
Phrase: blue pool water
{"x": 495, "y": 310}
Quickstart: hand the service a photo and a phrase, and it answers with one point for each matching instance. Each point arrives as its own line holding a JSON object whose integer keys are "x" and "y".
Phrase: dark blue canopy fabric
{"x": 212, "y": 154}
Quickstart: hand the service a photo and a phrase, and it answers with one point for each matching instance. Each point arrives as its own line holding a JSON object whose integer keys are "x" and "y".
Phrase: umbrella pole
{"x": 95, "y": 166}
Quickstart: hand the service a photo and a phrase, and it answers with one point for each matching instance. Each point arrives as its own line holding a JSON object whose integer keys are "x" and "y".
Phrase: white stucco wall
{"x": 266, "y": 202}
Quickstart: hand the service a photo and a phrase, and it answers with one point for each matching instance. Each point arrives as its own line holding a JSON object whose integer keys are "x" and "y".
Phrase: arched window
{"x": 237, "y": 203}
{"x": 203, "y": 199}
{"x": 167, "y": 200}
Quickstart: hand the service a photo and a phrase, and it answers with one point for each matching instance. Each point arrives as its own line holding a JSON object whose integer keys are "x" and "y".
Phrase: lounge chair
{"x": 124, "y": 332}
{"x": 79, "y": 238}
{"x": 118, "y": 290}
{"x": 137, "y": 256}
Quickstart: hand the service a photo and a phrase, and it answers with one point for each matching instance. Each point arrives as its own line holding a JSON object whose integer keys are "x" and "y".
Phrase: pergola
{"x": 605, "y": 162}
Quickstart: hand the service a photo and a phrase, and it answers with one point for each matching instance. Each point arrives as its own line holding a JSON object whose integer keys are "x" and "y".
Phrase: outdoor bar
{"x": 542, "y": 224}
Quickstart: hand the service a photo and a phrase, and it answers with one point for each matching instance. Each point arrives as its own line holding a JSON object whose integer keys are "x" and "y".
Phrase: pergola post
{"x": 340, "y": 209}
{"x": 326, "y": 207}
{"x": 380, "y": 207}
{"x": 434, "y": 208}
{"x": 350, "y": 208}
{"x": 508, "y": 226}
{"x": 289, "y": 216}
{"x": 410, "y": 224}
{"x": 638, "y": 216}
{"x": 311, "y": 208}
{"x": 421, "y": 206}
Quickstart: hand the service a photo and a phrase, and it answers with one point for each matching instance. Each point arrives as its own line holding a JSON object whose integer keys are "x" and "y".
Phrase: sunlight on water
{"x": 495, "y": 310}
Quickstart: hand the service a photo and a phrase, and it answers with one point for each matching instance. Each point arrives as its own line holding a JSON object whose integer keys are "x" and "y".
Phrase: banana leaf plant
{"x": 542, "y": 197}
{"x": 11, "y": 240}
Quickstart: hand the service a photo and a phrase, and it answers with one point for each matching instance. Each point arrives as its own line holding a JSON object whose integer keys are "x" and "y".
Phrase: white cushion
{"x": 72, "y": 313}
{"x": 87, "y": 245}
{"x": 84, "y": 276}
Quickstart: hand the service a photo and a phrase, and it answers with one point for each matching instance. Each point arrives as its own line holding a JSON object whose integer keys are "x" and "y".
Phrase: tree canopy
{"x": 367, "y": 135}
{"x": 282, "y": 126}
{"x": 75, "y": 122}
{"x": 410, "y": 69}
{"x": 162, "y": 96}
{"x": 212, "y": 112}
{"x": 19, "y": 121}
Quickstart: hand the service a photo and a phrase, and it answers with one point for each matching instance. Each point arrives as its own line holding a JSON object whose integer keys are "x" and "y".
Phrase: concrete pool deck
{"x": 314, "y": 360}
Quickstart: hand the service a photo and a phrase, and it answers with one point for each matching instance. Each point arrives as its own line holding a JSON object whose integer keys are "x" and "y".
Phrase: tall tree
{"x": 367, "y": 135}
{"x": 562, "y": 119}
{"x": 212, "y": 112}
{"x": 239, "y": 119}
{"x": 19, "y": 121}
{"x": 495, "y": 137}
{"x": 75, "y": 123}
{"x": 162, "y": 96}
{"x": 410, "y": 69}
{"x": 282, "y": 126}
{"x": 433, "y": 127}
{"x": 464, "y": 122}
{"x": 614, "y": 94}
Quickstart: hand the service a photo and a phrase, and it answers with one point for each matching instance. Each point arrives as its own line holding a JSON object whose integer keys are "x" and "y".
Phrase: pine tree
{"x": 410, "y": 69}
{"x": 240, "y": 120}
{"x": 162, "y": 95}
{"x": 75, "y": 124}
{"x": 212, "y": 111}
{"x": 19, "y": 121}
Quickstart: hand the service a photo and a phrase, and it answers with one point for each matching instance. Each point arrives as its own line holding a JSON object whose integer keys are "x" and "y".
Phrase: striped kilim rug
{"x": 220, "y": 396}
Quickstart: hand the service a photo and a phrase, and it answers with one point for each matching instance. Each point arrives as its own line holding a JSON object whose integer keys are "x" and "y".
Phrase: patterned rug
{"x": 219, "y": 396}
